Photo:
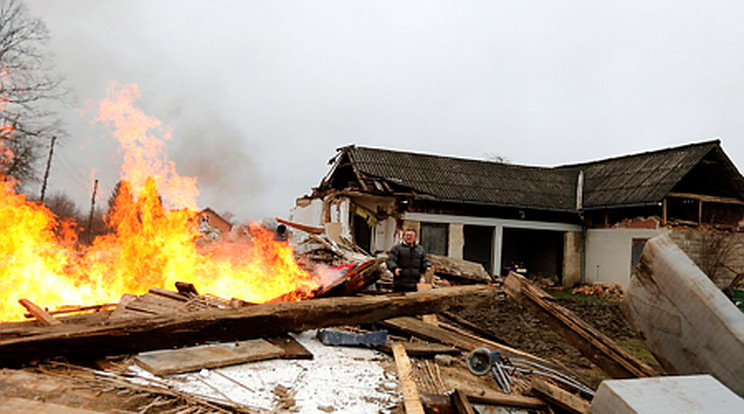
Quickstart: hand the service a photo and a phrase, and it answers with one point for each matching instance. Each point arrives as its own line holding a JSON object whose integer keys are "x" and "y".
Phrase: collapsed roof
{"x": 630, "y": 180}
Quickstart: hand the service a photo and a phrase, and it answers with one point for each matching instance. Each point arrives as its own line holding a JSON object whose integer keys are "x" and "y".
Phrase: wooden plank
{"x": 411, "y": 399}
{"x": 180, "y": 329}
{"x": 154, "y": 304}
{"x": 426, "y": 331}
{"x": 421, "y": 349}
{"x": 508, "y": 400}
{"x": 18, "y": 405}
{"x": 121, "y": 312}
{"x": 176, "y": 361}
{"x": 40, "y": 314}
{"x": 461, "y": 403}
{"x": 169, "y": 294}
{"x": 594, "y": 345}
{"x": 559, "y": 397}
{"x": 292, "y": 348}
{"x": 685, "y": 320}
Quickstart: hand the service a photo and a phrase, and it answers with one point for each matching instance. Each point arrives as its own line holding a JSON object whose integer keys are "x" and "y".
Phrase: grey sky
{"x": 260, "y": 93}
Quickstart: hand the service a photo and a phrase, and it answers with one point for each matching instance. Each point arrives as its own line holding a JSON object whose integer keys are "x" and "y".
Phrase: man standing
{"x": 408, "y": 262}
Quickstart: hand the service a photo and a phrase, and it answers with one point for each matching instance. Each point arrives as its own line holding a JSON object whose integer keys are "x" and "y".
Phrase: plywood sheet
{"x": 174, "y": 361}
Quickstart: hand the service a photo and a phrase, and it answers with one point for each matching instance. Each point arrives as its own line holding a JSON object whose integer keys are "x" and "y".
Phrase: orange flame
{"x": 153, "y": 243}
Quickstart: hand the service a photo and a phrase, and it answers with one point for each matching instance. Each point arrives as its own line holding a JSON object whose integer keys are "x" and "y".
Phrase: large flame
{"x": 153, "y": 242}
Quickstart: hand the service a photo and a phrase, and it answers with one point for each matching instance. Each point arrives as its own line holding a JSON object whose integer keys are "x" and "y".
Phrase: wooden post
{"x": 48, "y": 167}
{"x": 664, "y": 212}
{"x": 700, "y": 212}
{"x": 92, "y": 208}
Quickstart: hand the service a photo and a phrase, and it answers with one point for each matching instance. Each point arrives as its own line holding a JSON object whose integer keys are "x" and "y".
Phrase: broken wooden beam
{"x": 559, "y": 397}
{"x": 182, "y": 329}
{"x": 594, "y": 345}
{"x": 299, "y": 226}
{"x": 40, "y": 314}
{"x": 685, "y": 320}
{"x": 411, "y": 398}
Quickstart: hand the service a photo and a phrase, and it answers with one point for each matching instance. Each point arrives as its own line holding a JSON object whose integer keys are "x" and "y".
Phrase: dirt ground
{"x": 518, "y": 328}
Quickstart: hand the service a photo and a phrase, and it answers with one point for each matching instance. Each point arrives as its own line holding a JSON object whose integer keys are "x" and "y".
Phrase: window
{"x": 434, "y": 238}
{"x": 635, "y": 253}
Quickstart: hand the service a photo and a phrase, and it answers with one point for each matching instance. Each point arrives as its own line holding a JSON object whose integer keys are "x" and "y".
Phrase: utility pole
{"x": 48, "y": 167}
{"x": 92, "y": 208}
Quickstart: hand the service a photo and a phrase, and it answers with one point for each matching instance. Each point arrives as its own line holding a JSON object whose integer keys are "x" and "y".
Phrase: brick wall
{"x": 704, "y": 245}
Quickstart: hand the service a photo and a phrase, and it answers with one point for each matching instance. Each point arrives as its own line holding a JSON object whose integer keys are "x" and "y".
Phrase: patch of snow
{"x": 337, "y": 379}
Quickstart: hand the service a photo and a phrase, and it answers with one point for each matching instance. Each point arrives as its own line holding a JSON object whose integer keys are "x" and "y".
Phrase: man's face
{"x": 409, "y": 237}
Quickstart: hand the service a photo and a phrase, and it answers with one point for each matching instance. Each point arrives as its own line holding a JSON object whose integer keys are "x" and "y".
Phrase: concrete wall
{"x": 310, "y": 213}
{"x": 456, "y": 240}
{"x": 572, "y": 245}
{"x": 608, "y": 254}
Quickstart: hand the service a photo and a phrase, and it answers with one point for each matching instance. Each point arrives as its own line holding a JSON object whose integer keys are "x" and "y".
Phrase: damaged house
{"x": 584, "y": 222}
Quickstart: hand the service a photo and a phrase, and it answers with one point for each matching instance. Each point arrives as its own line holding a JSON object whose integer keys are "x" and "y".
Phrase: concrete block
{"x": 661, "y": 395}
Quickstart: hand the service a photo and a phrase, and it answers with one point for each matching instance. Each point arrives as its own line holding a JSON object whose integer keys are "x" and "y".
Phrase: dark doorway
{"x": 434, "y": 237}
{"x": 362, "y": 233}
{"x": 479, "y": 245}
{"x": 538, "y": 251}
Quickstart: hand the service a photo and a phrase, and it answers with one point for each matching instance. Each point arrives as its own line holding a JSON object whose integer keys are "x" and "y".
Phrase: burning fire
{"x": 153, "y": 243}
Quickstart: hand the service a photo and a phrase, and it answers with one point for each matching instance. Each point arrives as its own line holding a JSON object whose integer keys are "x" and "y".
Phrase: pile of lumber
{"x": 157, "y": 325}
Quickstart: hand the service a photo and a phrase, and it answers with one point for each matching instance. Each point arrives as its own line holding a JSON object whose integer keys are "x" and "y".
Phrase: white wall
{"x": 311, "y": 214}
{"x": 608, "y": 254}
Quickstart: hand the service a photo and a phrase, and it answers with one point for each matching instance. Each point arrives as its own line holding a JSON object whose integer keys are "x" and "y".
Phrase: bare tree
{"x": 63, "y": 207}
{"x": 27, "y": 85}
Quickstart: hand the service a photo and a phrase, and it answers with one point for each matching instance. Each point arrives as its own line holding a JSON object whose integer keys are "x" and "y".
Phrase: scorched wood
{"x": 172, "y": 330}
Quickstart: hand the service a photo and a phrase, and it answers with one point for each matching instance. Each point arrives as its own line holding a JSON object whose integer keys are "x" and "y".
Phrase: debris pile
{"x": 614, "y": 292}
{"x": 347, "y": 346}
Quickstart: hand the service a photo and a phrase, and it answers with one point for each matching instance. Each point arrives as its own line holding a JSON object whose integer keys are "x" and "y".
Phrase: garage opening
{"x": 479, "y": 245}
{"x": 540, "y": 252}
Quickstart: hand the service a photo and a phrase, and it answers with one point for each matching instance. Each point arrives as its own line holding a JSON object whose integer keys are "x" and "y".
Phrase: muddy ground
{"x": 518, "y": 328}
